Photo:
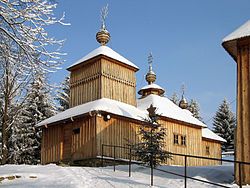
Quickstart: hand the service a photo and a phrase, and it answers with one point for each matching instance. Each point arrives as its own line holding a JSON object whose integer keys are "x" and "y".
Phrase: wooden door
{"x": 67, "y": 137}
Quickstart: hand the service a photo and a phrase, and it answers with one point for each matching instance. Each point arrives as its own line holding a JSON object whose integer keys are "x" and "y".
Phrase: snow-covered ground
{"x": 79, "y": 177}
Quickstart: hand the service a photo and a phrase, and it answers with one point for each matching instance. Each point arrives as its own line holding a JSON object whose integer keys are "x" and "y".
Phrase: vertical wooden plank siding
{"x": 94, "y": 131}
{"x": 67, "y": 134}
{"x": 117, "y": 131}
{"x": 102, "y": 77}
{"x": 84, "y": 142}
{"x": 85, "y": 83}
{"x": 61, "y": 144}
{"x": 243, "y": 110}
{"x": 51, "y": 144}
{"x": 214, "y": 151}
{"x": 118, "y": 82}
{"x": 193, "y": 142}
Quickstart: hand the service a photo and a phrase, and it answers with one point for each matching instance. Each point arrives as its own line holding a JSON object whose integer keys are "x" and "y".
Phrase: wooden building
{"x": 104, "y": 110}
{"x": 237, "y": 45}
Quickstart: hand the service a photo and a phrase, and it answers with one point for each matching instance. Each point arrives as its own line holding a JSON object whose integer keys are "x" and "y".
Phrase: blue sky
{"x": 184, "y": 37}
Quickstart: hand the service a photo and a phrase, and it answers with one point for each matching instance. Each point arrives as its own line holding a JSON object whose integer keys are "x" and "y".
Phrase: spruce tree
{"x": 63, "y": 95}
{"x": 38, "y": 106}
{"x": 175, "y": 98}
{"x": 224, "y": 123}
{"x": 150, "y": 149}
{"x": 16, "y": 134}
{"x": 194, "y": 108}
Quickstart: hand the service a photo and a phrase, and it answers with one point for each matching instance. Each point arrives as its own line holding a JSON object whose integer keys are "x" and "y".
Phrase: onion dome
{"x": 151, "y": 76}
{"x": 183, "y": 102}
{"x": 103, "y": 36}
{"x": 151, "y": 88}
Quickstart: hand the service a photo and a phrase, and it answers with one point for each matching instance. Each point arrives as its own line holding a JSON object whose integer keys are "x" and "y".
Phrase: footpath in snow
{"x": 31, "y": 176}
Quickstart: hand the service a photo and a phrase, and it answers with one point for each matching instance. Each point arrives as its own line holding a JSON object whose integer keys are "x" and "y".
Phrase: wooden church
{"x": 104, "y": 110}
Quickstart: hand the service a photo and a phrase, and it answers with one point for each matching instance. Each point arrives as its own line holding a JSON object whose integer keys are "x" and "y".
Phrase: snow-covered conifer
{"x": 224, "y": 123}
{"x": 151, "y": 148}
{"x": 174, "y": 98}
{"x": 37, "y": 107}
{"x": 63, "y": 95}
{"x": 194, "y": 108}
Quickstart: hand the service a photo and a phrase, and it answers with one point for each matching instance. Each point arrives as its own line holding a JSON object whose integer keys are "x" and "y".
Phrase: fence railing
{"x": 185, "y": 176}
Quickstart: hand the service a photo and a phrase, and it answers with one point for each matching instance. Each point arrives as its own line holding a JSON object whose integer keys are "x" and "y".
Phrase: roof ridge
{"x": 104, "y": 50}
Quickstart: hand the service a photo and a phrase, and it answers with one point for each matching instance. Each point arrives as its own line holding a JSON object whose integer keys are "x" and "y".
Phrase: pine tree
{"x": 175, "y": 99}
{"x": 26, "y": 138}
{"x": 15, "y": 133}
{"x": 194, "y": 108}
{"x": 151, "y": 148}
{"x": 63, "y": 95}
{"x": 224, "y": 123}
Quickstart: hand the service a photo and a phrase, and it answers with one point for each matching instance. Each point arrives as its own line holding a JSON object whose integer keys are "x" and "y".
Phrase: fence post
{"x": 114, "y": 158}
{"x": 102, "y": 155}
{"x": 185, "y": 172}
{"x": 240, "y": 178}
{"x": 151, "y": 165}
{"x": 129, "y": 167}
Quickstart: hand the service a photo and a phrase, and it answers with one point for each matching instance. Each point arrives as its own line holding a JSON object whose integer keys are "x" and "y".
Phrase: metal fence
{"x": 185, "y": 176}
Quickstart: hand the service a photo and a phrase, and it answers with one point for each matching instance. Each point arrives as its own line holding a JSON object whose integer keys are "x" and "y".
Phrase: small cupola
{"x": 183, "y": 102}
{"x": 103, "y": 36}
{"x": 151, "y": 88}
{"x": 151, "y": 76}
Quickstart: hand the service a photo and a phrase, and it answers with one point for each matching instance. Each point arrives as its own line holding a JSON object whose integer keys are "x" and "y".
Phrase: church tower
{"x": 103, "y": 73}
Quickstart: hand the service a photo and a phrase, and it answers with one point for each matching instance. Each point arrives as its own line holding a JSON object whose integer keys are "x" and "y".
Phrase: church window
{"x": 76, "y": 130}
{"x": 176, "y": 136}
{"x": 183, "y": 140}
{"x": 207, "y": 150}
{"x": 180, "y": 139}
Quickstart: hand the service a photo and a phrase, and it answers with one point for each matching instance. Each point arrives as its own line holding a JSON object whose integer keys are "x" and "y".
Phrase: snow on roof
{"x": 167, "y": 108}
{"x": 230, "y": 41}
{"x": 242, "y": 31}
{"x": 104, "y": 104}
{"x": 155, "y": 86}
{"x": 104, "y": 50}
{"x": 207, "y": 133}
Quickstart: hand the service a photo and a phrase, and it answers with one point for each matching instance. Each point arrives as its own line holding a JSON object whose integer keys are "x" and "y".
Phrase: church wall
{"x": 195, "y": 144}
{"x": 102, "y": 77}
{"x": 211, "y": 149}
{"x": 85, "y": 83}
{"x": 191, "y": 146}
{"x": 69, "y": 141}
{"x": 117, "y": 131}
{"x": 51, "y": 144}
{"x": 118, "y": 82}
{"x": 83, "y": 138}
